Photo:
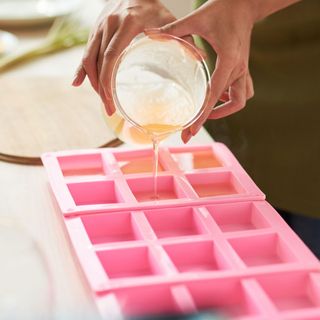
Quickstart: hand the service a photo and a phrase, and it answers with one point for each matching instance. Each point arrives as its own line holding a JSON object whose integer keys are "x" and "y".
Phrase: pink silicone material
{"x": 213, "y": 242}
{"x": 94, "y": 180}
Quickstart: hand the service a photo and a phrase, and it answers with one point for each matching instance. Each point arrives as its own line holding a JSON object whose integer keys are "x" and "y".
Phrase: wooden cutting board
{"x": 41, "y": 114}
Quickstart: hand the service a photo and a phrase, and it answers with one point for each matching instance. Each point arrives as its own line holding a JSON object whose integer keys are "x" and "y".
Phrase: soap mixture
{"x": 160, "y": 87}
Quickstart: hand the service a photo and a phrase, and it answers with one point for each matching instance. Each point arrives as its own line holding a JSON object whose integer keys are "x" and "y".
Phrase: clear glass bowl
{"x": 160, "y": 85}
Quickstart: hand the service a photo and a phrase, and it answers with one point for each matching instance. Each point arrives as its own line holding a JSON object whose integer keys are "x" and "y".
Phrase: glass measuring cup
{"x": 160, "y": 85}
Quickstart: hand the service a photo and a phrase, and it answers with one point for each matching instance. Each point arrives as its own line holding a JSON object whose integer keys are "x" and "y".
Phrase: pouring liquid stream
{"x": 157, "y": 133}
{"x": 160, "y": 86}
{"x": 155, "y": 145}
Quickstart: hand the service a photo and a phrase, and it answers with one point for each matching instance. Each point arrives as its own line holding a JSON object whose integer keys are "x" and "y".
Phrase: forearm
{"x": 264, "y": 8}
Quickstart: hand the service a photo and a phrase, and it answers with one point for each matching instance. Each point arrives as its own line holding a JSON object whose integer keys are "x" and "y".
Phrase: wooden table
{"x": 25, "y": 197}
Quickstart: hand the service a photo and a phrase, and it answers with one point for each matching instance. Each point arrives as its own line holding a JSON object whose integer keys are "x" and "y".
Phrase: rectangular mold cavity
{"x": 138, "y": 162}
{"x": 147, "y": 301}
{"x": 214, "y": 184}
{"x": 128, "y": 262}
{"x": 95, "y": 192}
{"x": 262, "y": 250}
{"x": 225, "y": 296}
{"x": 177, "y": 222}
{"x": 143, "y": 188}
{"x": 237, "y": 217}
{"x": 291, "y": 291}
{"x": 81, "y": 165}
{"x": 196, "y": 256}
{"x": 111, "y": 227}
{"x": 197, "y": 159}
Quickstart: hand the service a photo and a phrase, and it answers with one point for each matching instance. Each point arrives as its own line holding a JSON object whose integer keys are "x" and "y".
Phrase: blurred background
{"x": 178, "y": 7}
{"x": 40, "y": 112}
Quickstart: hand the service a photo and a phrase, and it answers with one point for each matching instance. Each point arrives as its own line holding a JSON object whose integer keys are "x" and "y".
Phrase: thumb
{"x": 178, "y": 28}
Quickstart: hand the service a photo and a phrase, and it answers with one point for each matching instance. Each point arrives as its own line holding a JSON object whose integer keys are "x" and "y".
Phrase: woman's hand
{"x": 226, "y": 25}
{"x": 117, "y": 25}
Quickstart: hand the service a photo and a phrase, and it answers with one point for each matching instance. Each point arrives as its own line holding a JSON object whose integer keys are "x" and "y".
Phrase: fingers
{"x": 184, "y": 28}
{"x": 232, "y": 84}
{"x": 80, "y": 73}
{"x": 186, "y": 135}
{"x": 189, "y": 39}
{"x": 237, "y": 101}
{"x": 120, "y": 40}
{"x": 249, "y": 87}
{"x": 157, "y": 34}
{"x": 79, "y": 76}
{"x": 219, "y": 81}
{"x": 88, "y": 64}
{"x": 179, "y": 28}
{"x": 110, "y": 29}
{"x": 235, "y": 98}
{"x": 224, "y": 97}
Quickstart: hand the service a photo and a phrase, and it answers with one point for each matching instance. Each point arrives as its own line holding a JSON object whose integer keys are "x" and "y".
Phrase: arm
{"x": 118, "y": 24}
{"x": 226, "y": 25}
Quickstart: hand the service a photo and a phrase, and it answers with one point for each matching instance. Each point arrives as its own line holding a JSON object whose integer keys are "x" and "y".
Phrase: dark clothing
{"x": 277, "y": 136}
{"x": 307, "y": 228}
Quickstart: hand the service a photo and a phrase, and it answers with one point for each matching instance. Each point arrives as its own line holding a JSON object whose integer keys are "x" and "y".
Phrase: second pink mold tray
{"x": 240, "y": 259}
{"x": 210, "y": 243}
{"x": 115, "y": 179}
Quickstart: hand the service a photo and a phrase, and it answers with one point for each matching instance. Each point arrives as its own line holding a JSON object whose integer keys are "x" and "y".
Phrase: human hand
{"x": 117, "y": 25}
{"x": 226, "y": 25}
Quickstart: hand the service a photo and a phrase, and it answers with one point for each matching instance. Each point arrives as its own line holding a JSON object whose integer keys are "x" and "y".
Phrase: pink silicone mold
{"x": 210, "y": 243}
{"x": 196, "y": 256}
{"x": 167, "y": 188}
{"x": 181, "y": 222}
{"x": 200, "y": 158}
{"x": 105, "y": 180}
{"x": 95, "y": 192}
{"x": 137, "y": 161}
{"x": 113, "y": 227}
{"x": 87, "y": 164}
{"x": 145, "y": 301}
{"x": 215, "y": 184}
{"x": 239, "y": 217}
{"x": 129, "y": 262}
{"x": 293, "y": 292}
{"x": 232, "y": 297}
{"x": 263, "y": 249}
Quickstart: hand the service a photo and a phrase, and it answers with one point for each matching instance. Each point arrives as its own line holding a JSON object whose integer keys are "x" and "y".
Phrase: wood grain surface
{"x": 40, "y": 114}
{"x": 28, "y": 126}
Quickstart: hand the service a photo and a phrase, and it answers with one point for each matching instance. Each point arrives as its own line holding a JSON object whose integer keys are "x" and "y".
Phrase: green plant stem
{"x": 64, "y": 34}
{"x": 13, "y": 60}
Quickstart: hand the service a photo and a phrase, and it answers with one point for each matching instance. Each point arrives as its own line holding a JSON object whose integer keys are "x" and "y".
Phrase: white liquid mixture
{"x": 160, "y": 83}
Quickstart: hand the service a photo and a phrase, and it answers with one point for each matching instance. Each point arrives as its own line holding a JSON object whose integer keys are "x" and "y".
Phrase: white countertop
{"x": 26, "y": 199}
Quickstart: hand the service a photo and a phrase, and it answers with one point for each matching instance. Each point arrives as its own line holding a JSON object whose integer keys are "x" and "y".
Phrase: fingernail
{"x": 194, "y": 130}
{"x": 112, "y": 110}
{"x": 186, "y": 136}
{"x": 75, "y": 81}
{"x": 109, "y": 108}
{"x": 152, "y": 31}
{"x": 106, "y": 107}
